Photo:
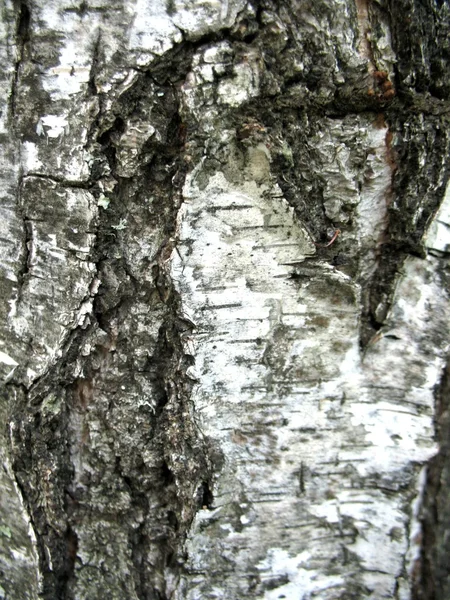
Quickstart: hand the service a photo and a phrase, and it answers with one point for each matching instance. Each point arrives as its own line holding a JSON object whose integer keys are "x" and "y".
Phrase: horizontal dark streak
{"x": 218, "y": 306}
{"x": 260, "y": 227}
{"x": 211, "y": 209}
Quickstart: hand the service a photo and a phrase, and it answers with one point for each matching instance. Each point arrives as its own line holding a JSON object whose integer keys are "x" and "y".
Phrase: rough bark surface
{"x": 225, "y": 230}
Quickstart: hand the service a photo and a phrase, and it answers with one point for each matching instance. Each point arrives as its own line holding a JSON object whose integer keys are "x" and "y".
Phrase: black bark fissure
{"x": 26, "y": 255}
{"x": 22, "y": 38}
{"x": 418, "y": 186}
{"x": 419, "y": 169}
{"x": 96, "y": 60}
{"x": 164, "y": 493}
{"x": 172, "y": 431}
{"x": 432, "y": 574}
{"x": 39, "y": 456}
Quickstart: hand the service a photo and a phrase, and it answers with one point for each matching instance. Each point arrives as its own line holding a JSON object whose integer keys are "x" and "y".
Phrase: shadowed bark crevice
{"x": 41, "y": 460}
{"x": 165, "y": 494}
{"x": 419, "y": 179}
{"x": 432, "y": 575}
{"x": 22, "y": 39}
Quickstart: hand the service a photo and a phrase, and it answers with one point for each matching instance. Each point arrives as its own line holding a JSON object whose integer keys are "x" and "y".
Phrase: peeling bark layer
{"x": 224, "y": 299}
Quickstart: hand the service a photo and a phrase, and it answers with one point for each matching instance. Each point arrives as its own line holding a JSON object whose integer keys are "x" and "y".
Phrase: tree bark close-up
{"x": 225, "y": 317}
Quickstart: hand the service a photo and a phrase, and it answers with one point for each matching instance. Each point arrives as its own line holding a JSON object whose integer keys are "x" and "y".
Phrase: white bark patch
{"x": 279, "y": 565}
{"x": 50, "y": 299}
{"x": 53, "y": 125}
{"x": 76, "y": 36}
{"x": 204, "y": 98}
{"x": 155, "y": 29}
{"x": 318, "y": 443}
{"x": 18, "y": 555}
{"x": 438, "y": 236}
{"x": 30, "y": 160}
{"x": 244, "y": 83}
{"x": 7, "y": 360}
{"x": 374, "y": 197}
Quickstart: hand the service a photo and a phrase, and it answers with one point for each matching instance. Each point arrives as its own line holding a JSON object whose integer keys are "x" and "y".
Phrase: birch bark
{"x": 208, "y": 391}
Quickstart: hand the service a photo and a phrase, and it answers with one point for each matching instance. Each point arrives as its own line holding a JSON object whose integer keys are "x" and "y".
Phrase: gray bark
{"x": 225, "y": 230}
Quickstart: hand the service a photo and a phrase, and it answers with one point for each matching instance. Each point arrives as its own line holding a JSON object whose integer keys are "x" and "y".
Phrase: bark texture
{"x": 225, "y": 230}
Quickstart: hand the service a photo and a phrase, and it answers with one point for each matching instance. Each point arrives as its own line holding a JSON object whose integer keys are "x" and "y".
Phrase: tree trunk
{"x": 225, "y": 318}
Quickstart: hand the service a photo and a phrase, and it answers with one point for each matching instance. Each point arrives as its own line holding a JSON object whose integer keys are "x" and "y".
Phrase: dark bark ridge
{"x": 431, "y": 580}
{"x": 134, "y": 341}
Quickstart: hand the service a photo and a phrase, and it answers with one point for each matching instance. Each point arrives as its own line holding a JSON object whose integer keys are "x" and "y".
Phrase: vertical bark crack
{"x": 432, "y": 571}
{"x": 22, "y": 38}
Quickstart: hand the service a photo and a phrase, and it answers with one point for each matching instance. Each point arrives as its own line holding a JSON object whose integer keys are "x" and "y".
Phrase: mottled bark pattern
{"x": 210, "y": 391}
